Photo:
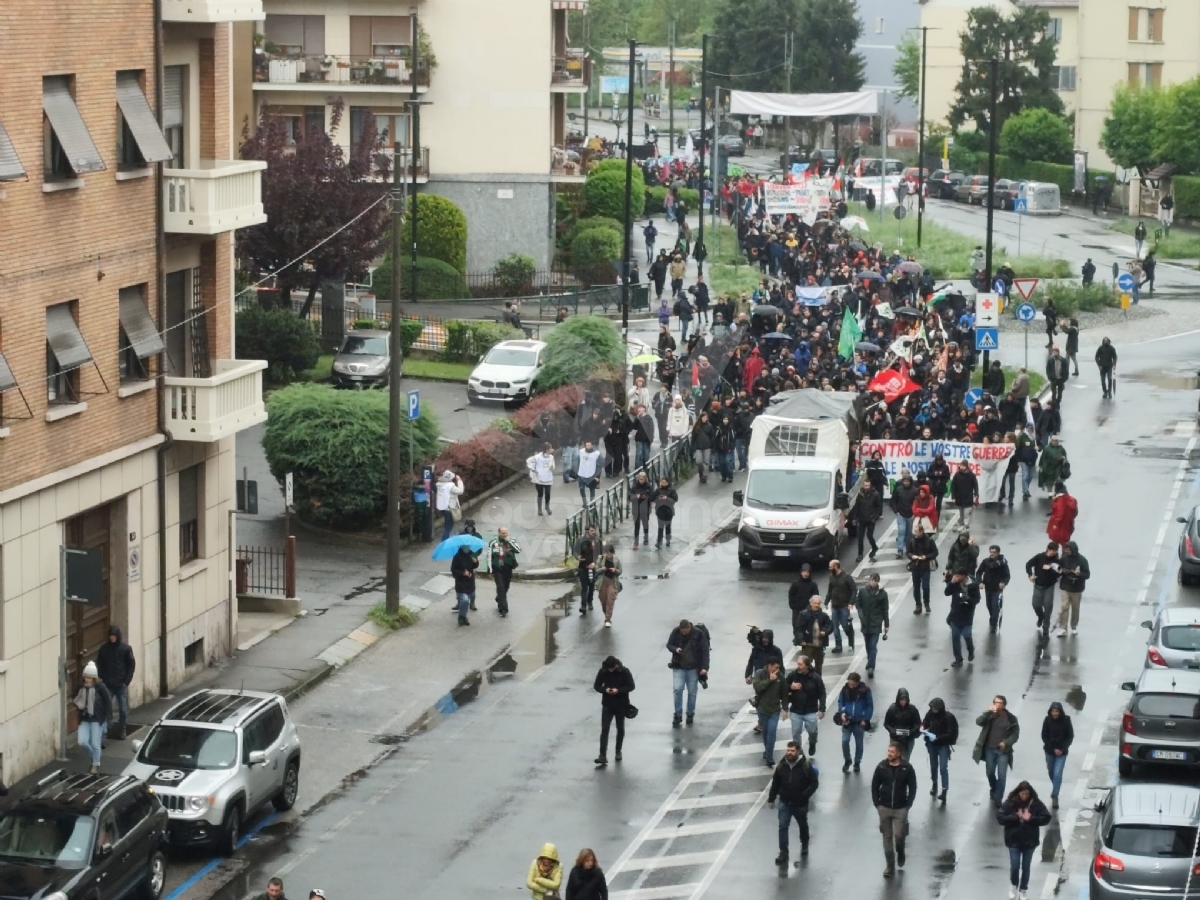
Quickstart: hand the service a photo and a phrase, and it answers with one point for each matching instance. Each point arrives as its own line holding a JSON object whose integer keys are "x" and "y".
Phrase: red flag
{"x": 893, "y": 384}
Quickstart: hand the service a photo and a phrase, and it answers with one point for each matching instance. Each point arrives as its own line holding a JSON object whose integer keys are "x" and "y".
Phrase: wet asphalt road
{"x": 505, "y": 763}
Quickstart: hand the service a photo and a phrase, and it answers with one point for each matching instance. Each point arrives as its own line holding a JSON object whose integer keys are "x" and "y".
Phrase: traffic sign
{"x": 987, "y": 338}
{"x": 971, "y": 397}
{"x": 1025, "y": 286}
{"x": 1026, "y": 312}
{"x": 1125, "y": 282}
{"x": 1126, "y": 300}
{"x": 1020, "y": 206}
{"x": 999, "y": 286}
{"x": 987, "y": 311}
{"x": 414, "y": 404}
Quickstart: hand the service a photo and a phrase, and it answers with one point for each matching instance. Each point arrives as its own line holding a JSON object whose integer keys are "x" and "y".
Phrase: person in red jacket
{"x": 751, "y": 370}
{"x": 925, "y": 507}
{"x": 1063, "y": 510}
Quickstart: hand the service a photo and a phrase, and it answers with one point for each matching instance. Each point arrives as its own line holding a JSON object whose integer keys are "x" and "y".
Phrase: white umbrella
{"x": 855, "y": 222}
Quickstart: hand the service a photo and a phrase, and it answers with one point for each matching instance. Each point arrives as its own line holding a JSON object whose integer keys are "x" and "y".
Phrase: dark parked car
{"x": 1189, "y": 548}
{"x": 823, "y": 161}
{"x": 1161, "y": 725}
{"x": 83, "y": 837}
{"x": 943, "y": 183}
{"x": 363, "y": 360}
{"x": 731, "y": 145}
{"x": 1005, "y": 194}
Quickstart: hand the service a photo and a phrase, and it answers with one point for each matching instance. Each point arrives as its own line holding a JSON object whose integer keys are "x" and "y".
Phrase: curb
{"x": 342, "y": 651}
{"x": 546, "y": 573}
{"x": 311, "y": 679}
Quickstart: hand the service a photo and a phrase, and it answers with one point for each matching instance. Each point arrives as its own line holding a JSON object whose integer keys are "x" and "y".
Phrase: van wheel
{"x": 231, "y": 831}
{"x": 286, "y": 798}
{"x": 1124, "y": 766}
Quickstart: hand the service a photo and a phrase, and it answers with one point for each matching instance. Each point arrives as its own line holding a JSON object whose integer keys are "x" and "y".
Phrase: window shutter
{"x": 1133, "y": 23}
{"x": 68, "y": 125}
{"x": 391, "y": 30}
{"x": 172, "y": 111}
{"x": 1156, "y": 25}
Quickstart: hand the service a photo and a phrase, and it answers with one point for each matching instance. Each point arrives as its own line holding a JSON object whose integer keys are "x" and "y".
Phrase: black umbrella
{"x": 781, "y": 336}
{"x": 866, "y": 347}
{"x": 907, "y": 312}
{"x": 859, "y": 246}
{"x": 766, "y": 309}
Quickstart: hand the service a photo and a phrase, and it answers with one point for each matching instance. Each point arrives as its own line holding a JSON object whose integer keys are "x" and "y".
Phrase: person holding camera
{"x": 587, "y": 550}
{"x": 614, "y": 683}
{"x": 608, "y": 568}
{"x": 855, "y": 707}
{"x": 903, "y": 722}
{"x": 806, "y": 701}
{"x": 964, "y": 597}
{"x": 998, "y": 731}
{"x": 688, "y": 646}
{"x": 771, "y": 701}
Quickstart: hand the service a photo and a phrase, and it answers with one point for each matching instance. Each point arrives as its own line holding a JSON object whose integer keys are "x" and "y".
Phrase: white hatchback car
{"x": 508, "y": 373}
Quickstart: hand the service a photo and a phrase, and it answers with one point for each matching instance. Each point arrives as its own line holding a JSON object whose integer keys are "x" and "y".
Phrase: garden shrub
{"x": 469, "y": 341}
{"x": 593, "y": 253}
{"x": 580, "y": 348}
{"x": 410, "y": 330}
{"x": 1070, "y": 298}
{"x": 441, "y": 230}
{"x": 335, "y": 444}
{"x": 656, "y": 195}
{"x": 604, "y": 191}
{"x": 483, "y": 461}
{"x": 515, "y": 274}
{"x": 289, "y": 344}
{"x": 436, "y": 280}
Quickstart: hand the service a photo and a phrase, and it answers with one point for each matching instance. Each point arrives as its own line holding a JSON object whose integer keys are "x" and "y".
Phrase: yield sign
{"x": 1025, "y": 286}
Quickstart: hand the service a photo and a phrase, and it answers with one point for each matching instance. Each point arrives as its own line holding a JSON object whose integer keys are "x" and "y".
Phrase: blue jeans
{"x": 585, "y": 489}
{"x": 841, "y": 620}
{"x": 741, "y": 448}
{"x": 649, "y": 251}
{"x": 960, "y": 634}
{"x": 641, "y": 454}
{"x": 725, "y": 461}
{"x": 1020, "y": 861}
{"x": 683, "y": 327}
{"x": 689, "y": 678}
{"x": 802, "y": 722}
{"x": 769, "y": 723}
{"x": 872, "y": 642}
{"x": 995, "y": 764}
{"x": 464, "y": 603}
{"x": 995, "y": 600}
{"x": 857, "y": 732}
{"x": 903, "y": 532}
{"x": 91, "y": 735}
{"x": 920, "y": 580}
{"x": 1026, "y": 477}
{"x": 786, "y": 814}
{"x": 120, "y": 695}
{"x": 939, "y": 758}
{"x": 1055, "y": 766}
{"x": 447, "y": 523}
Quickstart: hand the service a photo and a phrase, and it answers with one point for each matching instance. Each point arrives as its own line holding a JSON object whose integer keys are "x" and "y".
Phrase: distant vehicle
{"x": 1161, "y": 724}
{"x": 1174, "y": 639}
{"x": 870, "y": 167}
{"x": 972, "y": 190}
{"x": 83, "y": 837}
{"x": 214, "y": 758}
{"x": 694, "y": 133}
{"x": 1145, "y": 835}
{"x": 911, "y": 172}
{"x": 363, "y": 360}
{"x": 508, "y": 373}
{"x": 823, "y": 160}
{"x": 1189, "y": 548}
{"x": 1005, "y": 194}
{"x": 943, "y": 183}
{"x": 731, "y": 145}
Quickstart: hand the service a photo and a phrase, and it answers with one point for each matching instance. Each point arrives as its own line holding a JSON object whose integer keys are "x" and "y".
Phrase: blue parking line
{"x": 212, "y": 864}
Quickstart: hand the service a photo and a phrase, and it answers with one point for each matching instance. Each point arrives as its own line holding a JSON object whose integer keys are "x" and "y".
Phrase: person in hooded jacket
{"x": 855, "y": 707}
{"x": 964, "y": 488}
{"x": 1063, "y": 511}
{"x": 939, "y": 478}
{"x": 1075, "y": 572}
{"x": 963, "y": 592}
{"x": 925, "y": 510}
{"x": 810, "y": 631}
{"x": 866, "y": 512}
{"x": 115, "y": 662}
{"x": 903, "y": 495}
{"x": 614, "y": 683}
{"x": 586, "y": 881}
{"x": 665, "y": 498}
{"x": 922, "y": 558}
{"x": 939, "y": 728}
{"x": 873, "y": 619}
{"x": 763, "y": 651}
{"x": 963, "y": 556}
{"x": 1057, "y": 736}
{"x": 1023, "y": 815}
{"x": 792, "y": 786}
{"x": 993, "y": 573}
{"x": 463, "y": 567}
{"x": 903, "y": 723}
{"x": 801, "y": 590}
{"x": 545, "y": 873}
{"x": 643, "y": 504}
{"x": 1043, "y": 571}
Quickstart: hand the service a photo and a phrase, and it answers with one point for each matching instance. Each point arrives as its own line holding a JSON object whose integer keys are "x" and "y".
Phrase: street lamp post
{"x": 921, "y": 137}
{"x": 703, "y": 138}
{"x": 994, "y": 77}
{"x": 627, "y": 250}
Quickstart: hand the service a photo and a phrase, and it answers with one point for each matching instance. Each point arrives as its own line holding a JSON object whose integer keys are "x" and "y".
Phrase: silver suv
{"x": 1161, "y": 724}
{"x": 1145, "y": 836}
{"x": 214, "y": 758}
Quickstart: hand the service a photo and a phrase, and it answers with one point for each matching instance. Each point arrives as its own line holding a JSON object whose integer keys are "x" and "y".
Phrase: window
{"x": 381, "y": 36}
{"x": 66, "y": 352}
{"x": 1145, "y": 24}
{"x": 296, "y": 35}
{"x": 879, "y": 26}
{"x": 193, "y": 655}
{"x": 67, "y": 147}
{"x": 1054, "y": 29}
{"x": 791, "y": 440}
{"x": 129, "y": 814}
{"x": 1063, "y": 77}
{"x": 190, "y": 493}
{"x": 1145, "y": 74}
{"x": 1156, "y": 841}
{"x": 174, "y": 90}
{"x": 139, "y": 140}
{"x": 138, "y": 339}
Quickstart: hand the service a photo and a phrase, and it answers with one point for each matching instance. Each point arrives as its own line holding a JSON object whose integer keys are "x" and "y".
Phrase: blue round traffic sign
{"x": 971, "y": 397}
{"x": 1026, "y": 312}
{"x": 1125, "y": 282}
{"x": 999, "y": 286}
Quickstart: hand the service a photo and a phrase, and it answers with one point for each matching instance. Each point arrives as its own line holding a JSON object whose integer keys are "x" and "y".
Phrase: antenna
{"x": 242, "y": 686}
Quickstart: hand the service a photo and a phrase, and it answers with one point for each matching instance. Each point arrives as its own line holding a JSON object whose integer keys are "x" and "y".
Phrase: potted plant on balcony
{"x": 327, "y": 62}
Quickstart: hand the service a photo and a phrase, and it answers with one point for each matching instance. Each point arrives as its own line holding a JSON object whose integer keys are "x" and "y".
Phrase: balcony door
{"x": 179, "y": 329}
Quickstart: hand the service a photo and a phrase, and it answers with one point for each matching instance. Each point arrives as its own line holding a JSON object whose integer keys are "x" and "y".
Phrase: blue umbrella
{"x": 447, "y": 548}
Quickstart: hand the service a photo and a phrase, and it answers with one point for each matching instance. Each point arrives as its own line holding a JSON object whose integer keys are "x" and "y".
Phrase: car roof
{"x": 1168, "y": 681}
{"x": 1179, "y": 615}
{"x": 520, "y": 345}
{"x": 79, "y": 793}
{"x": 218, "y": 706}
{"x": 367, "y": 332}
{"x": 1157, "y": 804}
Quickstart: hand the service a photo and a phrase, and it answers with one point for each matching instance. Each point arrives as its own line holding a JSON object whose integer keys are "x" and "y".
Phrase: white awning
{"x": 859, "y": 103}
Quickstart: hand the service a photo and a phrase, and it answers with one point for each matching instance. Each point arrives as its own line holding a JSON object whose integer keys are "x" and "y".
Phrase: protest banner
{"x": 987, "y": 461}
{"x": 804, "y": 200}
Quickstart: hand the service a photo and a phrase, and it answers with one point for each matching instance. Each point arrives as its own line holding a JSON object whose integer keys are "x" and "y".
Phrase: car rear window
{"x": 1169, "y": 706}
{"x": 1153, "y": 840}
{"x": 1181, "y": 637}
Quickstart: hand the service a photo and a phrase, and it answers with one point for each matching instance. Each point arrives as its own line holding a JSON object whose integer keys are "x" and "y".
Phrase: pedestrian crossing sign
{"x": 987, "y": 338}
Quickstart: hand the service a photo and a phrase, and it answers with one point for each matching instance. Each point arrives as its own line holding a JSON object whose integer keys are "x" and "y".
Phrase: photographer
{"x": 806, "y": 701}
{"x": 855, "y": 707}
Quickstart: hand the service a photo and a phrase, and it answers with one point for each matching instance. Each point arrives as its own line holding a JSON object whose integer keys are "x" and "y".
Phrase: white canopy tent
{"x": 854, "y": 103}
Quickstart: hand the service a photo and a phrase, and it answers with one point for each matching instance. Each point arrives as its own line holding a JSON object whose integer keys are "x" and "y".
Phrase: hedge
{"x": 1186, "y": 189}
{"x": 593, "y": 253}
{"x": 578, "y": 349}
{"x": 467, "y": 341}
{"x": 441, "y": 230}
{"x": 515, "y": 274}
{"x": 604, "y": 191}
{"x": 1053, "y": 173}
{"x": 288, "y": 343}
{"x": 335, "y": 444}
{"x": 436, "y": 280}
{"x": 591, "y": 222}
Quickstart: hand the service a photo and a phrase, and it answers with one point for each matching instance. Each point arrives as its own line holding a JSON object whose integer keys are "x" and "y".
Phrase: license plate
{"x": 356, "y": 378}
{"x": 783, "y": 552}
{"x": 1177, "y": 755}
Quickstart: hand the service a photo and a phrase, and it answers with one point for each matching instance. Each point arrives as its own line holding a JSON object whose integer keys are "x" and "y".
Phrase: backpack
{"x": 702, "y": 630}
{"x": 952, "y": 725}
{"x": 675, "y": 309}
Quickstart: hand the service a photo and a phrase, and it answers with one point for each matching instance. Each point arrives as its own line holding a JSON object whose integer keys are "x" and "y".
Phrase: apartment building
{"x": 885, "y": 23}
{"x": 491, "y": 79}
{"x": 119, "y": 393}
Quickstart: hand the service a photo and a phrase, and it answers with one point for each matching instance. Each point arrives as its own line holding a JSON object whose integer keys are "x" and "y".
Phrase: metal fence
{"x": 615, "y": 504}
{"x": 266, "y": 570}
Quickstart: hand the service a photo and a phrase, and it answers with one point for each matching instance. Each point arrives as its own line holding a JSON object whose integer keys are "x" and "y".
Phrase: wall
{"x": 497, "y": 227}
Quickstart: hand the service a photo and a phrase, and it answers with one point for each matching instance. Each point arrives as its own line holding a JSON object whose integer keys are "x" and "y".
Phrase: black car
{"x": 943, "y": 184}
{"x": 83, "y": 837}
{"x": 1005, "y": 193}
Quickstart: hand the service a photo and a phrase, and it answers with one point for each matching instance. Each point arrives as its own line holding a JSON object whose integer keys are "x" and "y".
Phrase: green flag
{"x": 851, "y": 335}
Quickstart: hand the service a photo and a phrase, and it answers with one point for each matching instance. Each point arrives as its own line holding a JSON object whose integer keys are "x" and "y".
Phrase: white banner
{"x": 852, "y": 103}
{"x": 987, "y": 461}
{"x": 803, "y": 200}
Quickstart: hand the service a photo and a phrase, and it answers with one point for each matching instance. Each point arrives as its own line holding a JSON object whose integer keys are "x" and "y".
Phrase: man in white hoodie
{"x": 541, "y": 473}
{"x": 679, "y": 420}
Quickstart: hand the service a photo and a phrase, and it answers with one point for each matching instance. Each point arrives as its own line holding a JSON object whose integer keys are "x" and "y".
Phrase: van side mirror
{"x": 104, "y": 851}
{"x": 1128, "y": 686}
{"x": 738, "y": 498}
{"x": 1148, "y": 624}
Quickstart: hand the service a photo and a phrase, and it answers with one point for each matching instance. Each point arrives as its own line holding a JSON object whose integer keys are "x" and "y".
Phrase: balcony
{"x": 571, "y": 73}
{"x": 217, "y": 197}
{"x": 568, "y": 165}
{"x": 403, "y": 156}
{"x": 208, "y": 409}
{"x": 212, "y": 11}
{"x": 285, "y": 72}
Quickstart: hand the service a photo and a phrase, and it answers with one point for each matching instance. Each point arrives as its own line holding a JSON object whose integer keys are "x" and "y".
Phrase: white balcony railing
{"x": 218, "y": 196}
{"x": 208, "y": 409}
{"x": 212, "y": 11}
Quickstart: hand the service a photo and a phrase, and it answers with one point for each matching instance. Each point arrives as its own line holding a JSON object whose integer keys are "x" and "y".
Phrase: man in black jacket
{"x": 688, "y": 646}
{"x": 792, "y": 785}
{"x": 1044, "y": 571}
{"x": 801, "y": 591}
{"x": 902, "y": 722}
{"x": 964, "y": 490}
{"x": 1075, "y": 573}
{"x": 810, "y": 630}
{"x": 964, "y": 597}
{"x": 587, "y": 551}
{"x": 893, "y": 790}
{"x": 903, "y": 495}
{"x": 840, "y": 595}
{"x": 940, "y": 730}
{"x": 1106, "y": 360}
{"x": 116, "y": 665}
{"x": 993, "y": 573}
{"x": 867, "y": 510}
{"x": 1057, "y": 373}
{"x": 806, "y": 703}
{"x": 614, "y": 683}
{"x": 1057, "y": 736}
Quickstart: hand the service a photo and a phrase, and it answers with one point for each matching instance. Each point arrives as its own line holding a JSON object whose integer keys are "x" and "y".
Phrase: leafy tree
{"x": 1131, "y": 129}
{"x": 604, "y": 191}
{"x": 827, "y": 59}
{"x": 311, "y": 190}
{"x": 1179, "y": 124}
{"x": 610, "y": 23}
{"x": 593, "y": 253}
{"x": 1037, "y": 134}
{"x": 288, "y": 344}
{"x": 436, "y": 280}
{"x": 1026, "y": 57}
{"x": 907, "y": 68}
{"x": 515, "y": 273}
{"x": 581, "y": 348}
{"x": 691, "y": 18}
{"x": 748, "y": 43}
{"x": 441, "y": 230}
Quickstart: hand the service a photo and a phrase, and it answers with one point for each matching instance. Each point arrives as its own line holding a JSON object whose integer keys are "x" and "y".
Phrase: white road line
{"x": 658, "y": 893}
{"x": 738, "y": 750}
{"x": 1168, "y": 517}
{"x": 1049, "y": 886}
{"x": 1068, "y": 829}
{"x": 716, "y": 800}
{"x": 1097, "y": 735}
{"x": 677, "y": 861}
{"x": 716, "y": 827}
{"x": 1089, "y": 760}
{"x": 727, "y": 774}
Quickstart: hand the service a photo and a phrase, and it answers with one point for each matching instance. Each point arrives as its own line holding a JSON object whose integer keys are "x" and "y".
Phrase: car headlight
{"x": 522, "y": 381}
{"x": 198, "y": 803}
{"x": 473, "y": 380}
{"x": 339, "y": 367}
{"x": 750, "y": 521}
{"x": 821, "y": 522}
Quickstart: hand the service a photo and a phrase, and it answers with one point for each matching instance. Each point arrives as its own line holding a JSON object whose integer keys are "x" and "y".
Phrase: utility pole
{"x": 921, "y": 139}
{"x": 994, "y": 77}
{"x": 627, "y": 250}
{"x": 703, "y": 147}
{"x": 716, "y": 129}
{"x": 671, "y": 81}
{"x": 415, "y": 103}
{"x": 789, "y": 40}
{"x": 587, "y": 96}
{"x": 883, "y": 156}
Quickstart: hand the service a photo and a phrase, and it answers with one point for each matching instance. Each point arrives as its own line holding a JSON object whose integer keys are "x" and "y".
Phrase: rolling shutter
{"x": 10, "y": 166}
{"x": 140, "y": 118}
{"x": 139, "y": 327}
{"x": 172, "y": 111}
{"x": 72, "y": 134}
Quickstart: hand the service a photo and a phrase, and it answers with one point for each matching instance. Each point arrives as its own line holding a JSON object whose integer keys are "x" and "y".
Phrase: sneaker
{"x": 889, "y": 872}
{"x": 858, "y": 558}
{"x": 970, "y": 657}
{"x": 691, "y": 718}
{"x": 933, "y": 791}
{"x": 601, "y": 760}
{"x": 583, "y": 610}
{"x": 462, "y": 620}
{"x": 899, "y": 555}
{"x": 770, "y": 763}
{"x": 942, "y": 796}
{"x": 1060, "y": 633}
{"x": 917, "y": 611}
{"x": 956, "y": 664}
{"x": 871, "y": 558}
{"x": 846, "y": 766}
{"x": 758, "y": 729}
{"x": 782, "y": 858}
{"x": 1012, "y": 893}
{"x": 618, "y": 756}
{"x": 856, "y": 767}
{"x": 870, "y": 673}
{"x": 1074, "y": 631}
{"x": 608, "y": 624}
{"x": 836, "y": 650}
{"x": 927, "y": 609}
{"x": 899, "y": 856}
{"x": 1022, "y": 895}
{"x": 1054, "y": 803}
{"x": 635, "y": 546}
{"x": 676, "y": 721}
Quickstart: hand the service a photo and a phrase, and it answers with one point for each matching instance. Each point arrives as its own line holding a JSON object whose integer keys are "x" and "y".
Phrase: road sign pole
{"x": 1026, "y": 346}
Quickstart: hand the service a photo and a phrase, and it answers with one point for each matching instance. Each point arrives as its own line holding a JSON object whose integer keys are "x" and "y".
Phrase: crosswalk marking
{"x": 715, "y": 827}
{"x": 727, "y": 774}
{"x": 718, "y": 800}
{"x": 670, "y": 892}
{"x": 677, "y": 861}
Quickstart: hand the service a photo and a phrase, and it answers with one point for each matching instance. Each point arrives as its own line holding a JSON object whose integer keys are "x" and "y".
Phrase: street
{"x": 505, "y": 763}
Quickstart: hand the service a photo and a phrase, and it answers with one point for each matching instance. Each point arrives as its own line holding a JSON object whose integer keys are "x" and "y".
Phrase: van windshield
{"x": 789, "y": 489}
